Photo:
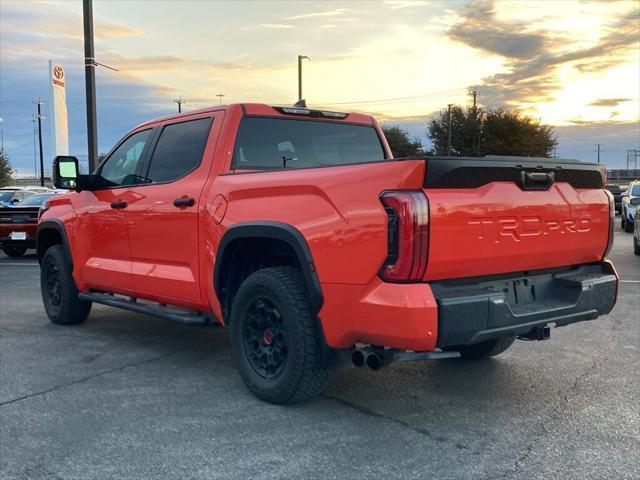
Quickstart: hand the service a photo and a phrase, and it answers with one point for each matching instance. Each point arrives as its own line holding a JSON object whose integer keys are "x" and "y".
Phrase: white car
{"x": 630, "y": 201}
{"x": 26, "y": 188}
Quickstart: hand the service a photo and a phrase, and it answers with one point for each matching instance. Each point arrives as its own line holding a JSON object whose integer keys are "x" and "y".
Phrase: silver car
{"x": 630, "y": 201}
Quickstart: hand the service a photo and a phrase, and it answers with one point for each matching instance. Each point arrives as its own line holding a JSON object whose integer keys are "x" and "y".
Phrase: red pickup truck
{"x": 298, "y": 230}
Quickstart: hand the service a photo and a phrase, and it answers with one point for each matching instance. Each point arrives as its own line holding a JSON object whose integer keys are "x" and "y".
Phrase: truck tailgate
{"x": 500, "y": 215}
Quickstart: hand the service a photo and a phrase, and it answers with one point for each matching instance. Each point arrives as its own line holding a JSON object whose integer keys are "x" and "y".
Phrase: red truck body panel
{"x": 155, "y": 251}
{"x": 498, "y": 228}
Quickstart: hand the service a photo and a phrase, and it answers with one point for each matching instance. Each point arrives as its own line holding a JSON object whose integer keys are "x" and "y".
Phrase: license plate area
{"x": 18, "y": 236}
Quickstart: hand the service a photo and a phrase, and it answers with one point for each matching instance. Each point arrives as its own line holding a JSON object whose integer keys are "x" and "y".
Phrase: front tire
{"x": 12, "y": 251}
{"x": 275, "y": 337}
{"x": 489, "y": 348}
{"x": 59, "y": 291}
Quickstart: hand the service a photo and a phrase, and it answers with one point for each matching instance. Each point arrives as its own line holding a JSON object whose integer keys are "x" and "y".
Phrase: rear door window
{"x": 179, "y": 150}
{"x": 275, "y": 143}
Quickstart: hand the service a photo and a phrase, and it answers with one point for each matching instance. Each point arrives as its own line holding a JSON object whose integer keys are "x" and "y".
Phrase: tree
{"x": 478, "y": 132}
{"x": 401, "y": 144}
{"x": 6, "y": 170}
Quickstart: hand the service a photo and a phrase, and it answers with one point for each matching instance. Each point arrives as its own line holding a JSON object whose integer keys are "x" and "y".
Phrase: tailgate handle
{"x": 537, "y": 180}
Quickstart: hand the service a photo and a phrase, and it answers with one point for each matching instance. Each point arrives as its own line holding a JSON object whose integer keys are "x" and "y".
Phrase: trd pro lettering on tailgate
{"x": 514, "y": 228}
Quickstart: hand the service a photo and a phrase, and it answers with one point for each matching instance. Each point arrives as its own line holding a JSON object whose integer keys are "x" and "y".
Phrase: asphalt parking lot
{"x": 128, "y": 396}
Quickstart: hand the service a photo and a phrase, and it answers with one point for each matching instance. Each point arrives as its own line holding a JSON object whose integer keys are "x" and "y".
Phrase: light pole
{"x": 449, "y": 140}
{"x": 300, "y": 58}
{"x": 90, "y": 83}
{"x": 1, "y": 136}
{"x": 39, "y": 116}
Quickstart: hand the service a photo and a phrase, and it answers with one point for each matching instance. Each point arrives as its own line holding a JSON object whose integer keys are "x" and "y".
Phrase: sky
{"x": 571, "y": 64}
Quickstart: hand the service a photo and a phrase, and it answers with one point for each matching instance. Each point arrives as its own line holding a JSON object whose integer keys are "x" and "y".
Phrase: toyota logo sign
{"x": 58, "y": 72}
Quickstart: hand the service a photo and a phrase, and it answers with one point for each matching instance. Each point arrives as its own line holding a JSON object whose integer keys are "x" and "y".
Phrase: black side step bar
{"x": 184, "y": 317}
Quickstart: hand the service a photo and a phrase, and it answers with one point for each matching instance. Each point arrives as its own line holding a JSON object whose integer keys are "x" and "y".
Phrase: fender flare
{"x": 58, "y": 226}
{"x": 277, "y": 231}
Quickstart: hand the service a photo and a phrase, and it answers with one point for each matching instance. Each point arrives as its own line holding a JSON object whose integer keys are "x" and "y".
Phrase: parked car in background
{"x": 616, "y": 191}
{"x": 636, "y": 233}
{"x": 10, "y": 197}
{"x": 19, "y": 223}
{"x": 630, "y": 200}
{"x": 29, "y": 188}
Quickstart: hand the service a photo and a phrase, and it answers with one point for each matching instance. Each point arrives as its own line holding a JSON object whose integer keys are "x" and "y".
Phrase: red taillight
{"x": 612, "y": 220}
{"x": 408, "y": 235}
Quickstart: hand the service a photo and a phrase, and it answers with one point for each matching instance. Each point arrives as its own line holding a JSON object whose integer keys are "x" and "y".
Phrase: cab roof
{"x": 262, "y": 109}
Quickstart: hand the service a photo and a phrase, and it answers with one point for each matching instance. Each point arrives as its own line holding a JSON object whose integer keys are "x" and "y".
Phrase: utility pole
{"x": 449, "y": 141}
{"x": 1, "y": 135}
{"x": 220, "y": 95}
{"x": 35, "y": 162}
{"x": 39, "y": 116}
{"x": 90, "y": 84}
{"x": 598, "y": 146}
{"x": 473, "y": 91}
{"x": 300, "y": 58}
{"x": 179, "y": 101}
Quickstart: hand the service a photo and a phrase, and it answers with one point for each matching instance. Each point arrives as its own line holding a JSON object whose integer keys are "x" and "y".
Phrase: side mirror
{"x": 15, "y": 200}
{"x": 65, "y": 172}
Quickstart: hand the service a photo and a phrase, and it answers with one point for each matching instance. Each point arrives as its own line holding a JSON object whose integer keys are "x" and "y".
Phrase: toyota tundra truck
{"x": 298, "y": 230}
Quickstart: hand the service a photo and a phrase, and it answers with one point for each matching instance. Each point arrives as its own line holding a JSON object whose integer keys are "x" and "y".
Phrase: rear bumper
{"x": 475, "y": 310}
{"x": 422, "y": 317}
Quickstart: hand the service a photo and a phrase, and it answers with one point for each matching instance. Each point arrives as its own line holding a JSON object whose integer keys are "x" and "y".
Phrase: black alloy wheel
{"x": 265, "y": 338}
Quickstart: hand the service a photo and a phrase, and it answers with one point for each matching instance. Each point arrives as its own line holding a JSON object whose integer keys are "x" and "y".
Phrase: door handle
{"x": 118, "y": 204}
{"x": 184, "y": 202}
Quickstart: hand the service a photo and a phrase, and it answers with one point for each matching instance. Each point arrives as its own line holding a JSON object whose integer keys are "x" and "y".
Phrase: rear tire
{"x": 275, "y": 338}
{"x": 59, "y": 291}
{"x": 14, "y": 251}
{"x": 628, "y": 226}
{"x": 489, "y": 348}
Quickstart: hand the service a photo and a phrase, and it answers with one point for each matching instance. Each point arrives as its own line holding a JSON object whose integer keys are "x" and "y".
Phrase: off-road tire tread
{"x": 73, "y": 310}
{"x": 308, "y": 378}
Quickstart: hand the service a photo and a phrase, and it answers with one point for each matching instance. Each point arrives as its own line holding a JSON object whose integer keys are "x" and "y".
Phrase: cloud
{"x": 398, "y": 4}
{"x": 328, "y": 13}
{"x": 480, "y": 28}
{"x": 534, "y": 56}
{"x": 276, "y": 26}
{"x": 112, "y": 30}
{"x": 608, "y": 102}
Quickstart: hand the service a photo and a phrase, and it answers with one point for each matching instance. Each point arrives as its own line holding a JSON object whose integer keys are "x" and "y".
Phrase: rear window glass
{"x": 273, "y": 143}
{"x": 635, "y": 190}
